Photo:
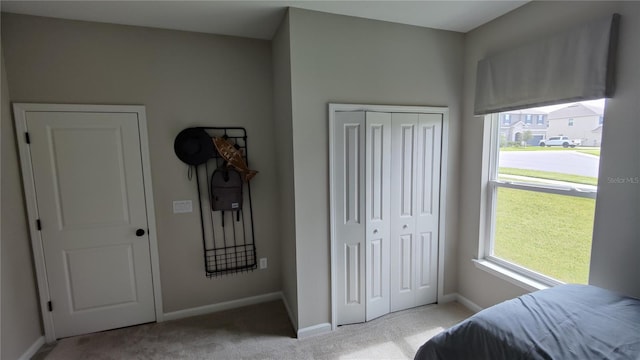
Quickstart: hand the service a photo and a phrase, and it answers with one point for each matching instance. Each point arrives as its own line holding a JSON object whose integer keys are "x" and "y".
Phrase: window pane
{"x": 563, "y": 150}
{"x": 547, "y": 233}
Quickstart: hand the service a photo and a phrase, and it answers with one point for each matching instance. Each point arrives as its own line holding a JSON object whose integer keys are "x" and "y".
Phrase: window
{"x": 527, "y": 119}
{"x": 541, "y": 212}
{"x": 506, "y": 120}
{"x": 570, "y": 122}
{"x": 540, "y": 120}
{"x": 601, "y": 120}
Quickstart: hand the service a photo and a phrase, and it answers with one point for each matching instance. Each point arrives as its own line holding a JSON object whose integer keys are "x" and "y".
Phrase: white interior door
{"x": 90, "y": 201}
{"x": 377, "y": 198}
{"x": 348, "y": 215}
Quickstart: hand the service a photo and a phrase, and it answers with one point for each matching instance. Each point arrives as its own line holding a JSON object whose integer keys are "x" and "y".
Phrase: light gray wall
{"x": 615, "y": 245}
{"x": 184, "y": 79}
{"x": 281, "y": 50}
{"x": 20, "y": 309}
{"x": 616, "y": 237}
{"x": 351, "y": 60}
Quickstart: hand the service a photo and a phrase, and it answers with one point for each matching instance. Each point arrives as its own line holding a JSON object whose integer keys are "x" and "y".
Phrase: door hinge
{"x": 50, "y": 306}
{"x": 38, "y": 224}
{"x": 27, "y": 138}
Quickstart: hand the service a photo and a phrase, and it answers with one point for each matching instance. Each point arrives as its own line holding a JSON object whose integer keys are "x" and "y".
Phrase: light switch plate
{"x": 182, "y": 206}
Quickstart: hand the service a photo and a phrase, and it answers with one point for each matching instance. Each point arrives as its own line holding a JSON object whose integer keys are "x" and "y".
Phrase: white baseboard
{"x": 294, "y": 323}
{"x": 227, "y": 305}
{"x": 447, "y": 298}
{"x": 468, "y": 303}
{"x": 314, "y": 330}
{"x": 33, "y": 349}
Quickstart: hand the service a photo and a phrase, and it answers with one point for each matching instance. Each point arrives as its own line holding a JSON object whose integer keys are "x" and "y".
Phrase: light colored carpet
{"x": 261, "y": 332}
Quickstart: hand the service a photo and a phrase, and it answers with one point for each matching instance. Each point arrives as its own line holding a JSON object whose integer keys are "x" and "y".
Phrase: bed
{"x": 563, "y": 322}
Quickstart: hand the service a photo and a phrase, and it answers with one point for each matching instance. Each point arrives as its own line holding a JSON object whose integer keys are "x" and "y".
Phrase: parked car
{"x": 563, "y": 141}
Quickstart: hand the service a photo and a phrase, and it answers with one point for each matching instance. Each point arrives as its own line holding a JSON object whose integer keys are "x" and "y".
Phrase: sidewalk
{"x": 529, "y": 179}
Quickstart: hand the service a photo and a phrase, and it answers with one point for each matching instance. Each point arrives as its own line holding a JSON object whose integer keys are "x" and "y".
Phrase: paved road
{"x": 568, "y": 162}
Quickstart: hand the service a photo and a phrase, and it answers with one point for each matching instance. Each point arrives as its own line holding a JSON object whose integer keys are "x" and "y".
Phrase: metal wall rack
{"x": 227, "y": 236}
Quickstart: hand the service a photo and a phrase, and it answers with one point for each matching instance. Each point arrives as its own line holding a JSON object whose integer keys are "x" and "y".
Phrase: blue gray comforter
{"x": 563, "y": 322}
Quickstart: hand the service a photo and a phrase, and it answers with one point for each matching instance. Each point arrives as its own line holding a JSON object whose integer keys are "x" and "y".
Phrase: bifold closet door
{"x": 361, "y": 181}
{"x": 428, "y": 208}
{"x": 385, "y": 200}
{"x": 348, "y": 215}
{"x": 415, "y": 174}
{"x": 377, "y": 199}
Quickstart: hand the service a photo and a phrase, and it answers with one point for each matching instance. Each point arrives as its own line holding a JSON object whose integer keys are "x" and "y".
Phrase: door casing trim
{"x": 442, "y": 239}
{"x": 19, "y": 113}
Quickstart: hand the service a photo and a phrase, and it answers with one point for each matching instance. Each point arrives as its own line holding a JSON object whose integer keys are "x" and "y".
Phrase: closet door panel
{"x": 406, "y": 263}
{"x": 429, "y": 143}
{"x": 377, "y": 190}
{"x": 425, "y": 248}
{"x": 403, "y": 209}
{"x": 348, "y": 215}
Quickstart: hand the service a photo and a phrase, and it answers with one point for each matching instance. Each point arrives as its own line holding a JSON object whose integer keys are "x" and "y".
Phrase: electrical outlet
{"x": 263, "y": 263}
{"x": 182, "y": 206}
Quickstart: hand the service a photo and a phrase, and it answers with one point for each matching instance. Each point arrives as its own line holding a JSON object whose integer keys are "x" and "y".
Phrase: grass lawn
{"x": 549, "y": 175}
{"x": 550, "y": 234}
{"x": 594, "y": 151}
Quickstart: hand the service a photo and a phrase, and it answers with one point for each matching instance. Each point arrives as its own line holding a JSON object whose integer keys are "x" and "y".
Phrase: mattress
{"x": 563, "y": 322}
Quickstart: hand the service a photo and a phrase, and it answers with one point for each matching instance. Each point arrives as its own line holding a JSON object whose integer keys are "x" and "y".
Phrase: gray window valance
{"x": 576, "y": 65}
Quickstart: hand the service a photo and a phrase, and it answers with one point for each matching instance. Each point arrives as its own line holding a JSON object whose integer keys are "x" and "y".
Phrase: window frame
{"x": 493, "y": 184}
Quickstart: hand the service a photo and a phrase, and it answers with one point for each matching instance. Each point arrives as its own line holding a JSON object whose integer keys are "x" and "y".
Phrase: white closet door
{"x": 377, "y": 190}
{"x": 403, "y": 210}
{"x": 386, "y": 195}
{"x": 348, "y": 216}
{"x": 428, "y": 208}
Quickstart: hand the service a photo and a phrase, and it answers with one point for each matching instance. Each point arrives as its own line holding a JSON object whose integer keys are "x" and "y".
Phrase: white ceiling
{"x": 259, "y": 19}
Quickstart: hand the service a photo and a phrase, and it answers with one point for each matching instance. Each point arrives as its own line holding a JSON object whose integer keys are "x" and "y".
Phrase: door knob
{"x": 405, "y": 226}
{"x": 139, "y": 232}
{"x": 375, "y": 231}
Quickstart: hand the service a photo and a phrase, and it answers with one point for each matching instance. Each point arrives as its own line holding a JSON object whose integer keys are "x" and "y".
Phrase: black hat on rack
{"x": 194, "y": 146}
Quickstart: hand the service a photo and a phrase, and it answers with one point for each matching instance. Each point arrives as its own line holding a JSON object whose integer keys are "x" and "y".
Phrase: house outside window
{"x": 578, "y": 121}
{"x": 540, "y": 219}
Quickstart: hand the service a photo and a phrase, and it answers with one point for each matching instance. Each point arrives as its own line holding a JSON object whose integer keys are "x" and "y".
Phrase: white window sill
{"x": 520, "y": 280}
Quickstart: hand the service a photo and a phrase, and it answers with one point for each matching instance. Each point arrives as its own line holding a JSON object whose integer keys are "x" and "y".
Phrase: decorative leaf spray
{"x": 233, "y": 157}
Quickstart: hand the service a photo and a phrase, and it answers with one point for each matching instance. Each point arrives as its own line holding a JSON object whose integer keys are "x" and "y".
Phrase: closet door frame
{"x": 442, "y": 239}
